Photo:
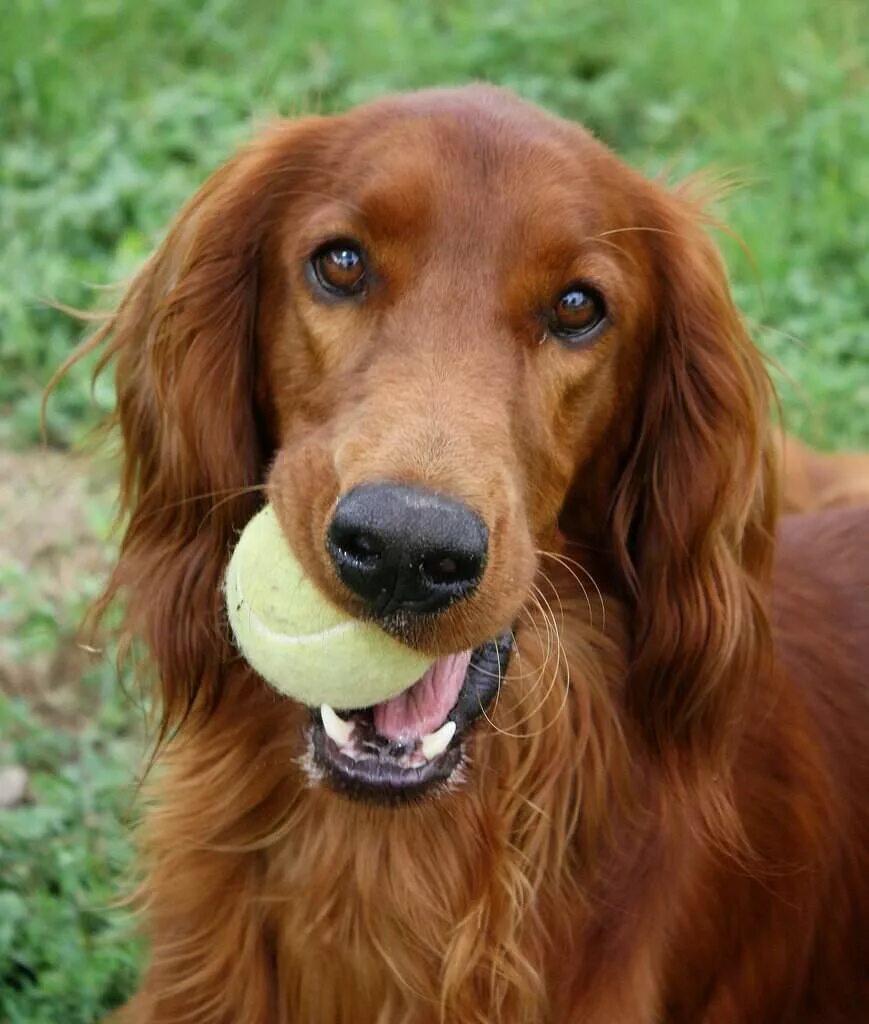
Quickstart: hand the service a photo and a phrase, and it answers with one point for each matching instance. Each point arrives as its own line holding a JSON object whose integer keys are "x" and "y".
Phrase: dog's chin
{"x": 348, "y": 753}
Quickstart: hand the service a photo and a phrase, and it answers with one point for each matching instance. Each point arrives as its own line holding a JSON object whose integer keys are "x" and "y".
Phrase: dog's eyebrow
{"x": 402, "y": 207}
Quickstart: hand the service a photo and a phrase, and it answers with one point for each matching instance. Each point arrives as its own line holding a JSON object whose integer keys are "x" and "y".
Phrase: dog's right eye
{"x": 339, "y": 268}
{"x": 577, "y": 314}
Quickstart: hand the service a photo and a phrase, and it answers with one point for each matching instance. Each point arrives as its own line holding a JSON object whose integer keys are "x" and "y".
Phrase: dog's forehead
{"x": 469, "y": 141}
{"x": 477, "y": 155}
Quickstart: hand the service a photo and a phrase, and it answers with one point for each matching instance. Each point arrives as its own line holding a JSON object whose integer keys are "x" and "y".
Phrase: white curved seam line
{"x": 286, "y": 638}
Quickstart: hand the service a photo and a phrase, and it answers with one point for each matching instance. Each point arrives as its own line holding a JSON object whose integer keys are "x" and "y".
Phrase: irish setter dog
{"x": 509, "y": 369}
{"x": 812, "y": 481}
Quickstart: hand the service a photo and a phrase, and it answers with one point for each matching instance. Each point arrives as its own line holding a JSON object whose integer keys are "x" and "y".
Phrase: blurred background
{"x": 112, "y": 113}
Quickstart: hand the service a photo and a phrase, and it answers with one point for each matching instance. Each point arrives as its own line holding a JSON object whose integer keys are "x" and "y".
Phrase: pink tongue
{"x": 421, "y": 709}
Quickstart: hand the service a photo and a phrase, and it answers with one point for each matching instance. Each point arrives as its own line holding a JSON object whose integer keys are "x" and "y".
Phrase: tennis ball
{"x": 298, "y": 642}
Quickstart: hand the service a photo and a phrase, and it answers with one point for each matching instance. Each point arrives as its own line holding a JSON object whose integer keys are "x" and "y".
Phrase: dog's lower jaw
{"x": 350, "y": 756}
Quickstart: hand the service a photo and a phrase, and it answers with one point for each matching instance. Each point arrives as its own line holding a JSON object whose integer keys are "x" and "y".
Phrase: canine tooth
{"x": 437, "y": 742}
{"x": 339, "y": 731}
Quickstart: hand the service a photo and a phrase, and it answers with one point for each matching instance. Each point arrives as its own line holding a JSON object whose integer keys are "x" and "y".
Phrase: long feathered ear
{"x": 695, "y": 507}
{"x": 184, "y": 350}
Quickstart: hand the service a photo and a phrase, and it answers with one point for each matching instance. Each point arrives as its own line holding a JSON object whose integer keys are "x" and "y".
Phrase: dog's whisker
{"x": 567, "y": 562}
{"x": 541, "y": 572}
{"x": 648, "y": 228}
{"x": 540, "y": 672}
{"x": 226, "y": 494}
{"x": 514, "y": 676}
{"x": 231, "y": 497}
{"x": 620, "y": 249}
{"x": 561, "y": 655}
{"x": 549, "y": 616}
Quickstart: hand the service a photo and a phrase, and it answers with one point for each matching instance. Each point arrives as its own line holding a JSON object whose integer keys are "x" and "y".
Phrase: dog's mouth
{"x": 402, "y": 747}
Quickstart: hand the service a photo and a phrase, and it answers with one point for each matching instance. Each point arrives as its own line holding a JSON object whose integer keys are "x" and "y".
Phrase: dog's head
{"x": 446, "y": 331}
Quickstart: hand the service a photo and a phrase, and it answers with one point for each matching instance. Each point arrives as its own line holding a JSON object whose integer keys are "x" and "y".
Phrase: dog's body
{"x": 661, "y": 817}
{"x": 658, "y": 922}
{"x": 813, "y": 481}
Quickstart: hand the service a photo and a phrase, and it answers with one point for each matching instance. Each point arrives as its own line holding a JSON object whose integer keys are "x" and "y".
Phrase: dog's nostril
{"x": 444, "y": 568}
{"x": 361, "y": 546}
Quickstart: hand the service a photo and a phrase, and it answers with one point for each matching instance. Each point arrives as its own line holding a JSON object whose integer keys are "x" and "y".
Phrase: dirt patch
{"x": 55, "y": 552}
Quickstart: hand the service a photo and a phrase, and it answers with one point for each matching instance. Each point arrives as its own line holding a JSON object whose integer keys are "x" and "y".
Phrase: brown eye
{"x": 339, "y": 268}
{"x": 577, "y": 312}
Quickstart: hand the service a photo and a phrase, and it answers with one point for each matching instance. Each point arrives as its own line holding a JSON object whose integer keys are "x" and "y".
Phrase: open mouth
{"x": 402, "y": 747}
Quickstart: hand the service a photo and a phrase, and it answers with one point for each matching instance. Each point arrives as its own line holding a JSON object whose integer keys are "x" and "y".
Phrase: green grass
{"x": 111, "y": 114}
{"x": 67, "y": 950}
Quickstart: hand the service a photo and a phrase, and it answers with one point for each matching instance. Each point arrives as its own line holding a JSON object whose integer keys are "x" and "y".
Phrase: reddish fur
{"x": 815, "y": 481}
{"x": 667, "y": 819}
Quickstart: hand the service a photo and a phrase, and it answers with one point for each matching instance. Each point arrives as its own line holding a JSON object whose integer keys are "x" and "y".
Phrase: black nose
{"x": 405, "y": 548}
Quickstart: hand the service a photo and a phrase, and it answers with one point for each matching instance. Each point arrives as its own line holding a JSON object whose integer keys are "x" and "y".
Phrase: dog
{"x": 451, "y": 307}
{"x": 812, "y": 481}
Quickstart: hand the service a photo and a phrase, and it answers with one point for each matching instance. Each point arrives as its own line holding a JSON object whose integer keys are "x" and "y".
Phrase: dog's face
{"x": 444, "y": 329}
{"x": 450, "y": 320}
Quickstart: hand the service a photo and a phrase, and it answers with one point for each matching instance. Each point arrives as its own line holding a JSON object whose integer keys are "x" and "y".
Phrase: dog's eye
{"x": 339, "y": 268}
{"x": 577, "y": 312}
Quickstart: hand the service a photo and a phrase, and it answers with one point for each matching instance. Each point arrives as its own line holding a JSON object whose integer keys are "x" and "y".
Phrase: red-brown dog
{"x": 496, "y": 388}
{"x": 812, "y": 481}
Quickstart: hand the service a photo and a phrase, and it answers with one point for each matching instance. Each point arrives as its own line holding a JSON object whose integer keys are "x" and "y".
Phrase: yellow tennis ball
{"x": 298, "y": 642}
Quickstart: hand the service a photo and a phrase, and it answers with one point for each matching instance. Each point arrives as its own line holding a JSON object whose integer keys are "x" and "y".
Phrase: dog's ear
{"x": 183, "y": 346}
{"x": 695, "y": 507}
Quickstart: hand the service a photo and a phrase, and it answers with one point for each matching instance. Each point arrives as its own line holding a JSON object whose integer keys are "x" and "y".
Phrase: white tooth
{"x": 437, "y": 742}
{"x": 339, "y": 731}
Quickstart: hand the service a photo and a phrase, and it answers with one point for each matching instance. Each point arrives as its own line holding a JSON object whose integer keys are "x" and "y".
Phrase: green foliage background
{"x": 112, "y": 113}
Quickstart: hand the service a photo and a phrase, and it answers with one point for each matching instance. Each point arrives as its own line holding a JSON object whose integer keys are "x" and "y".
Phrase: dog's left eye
{"x": 578, "y": 311}
{"x": 339, "y": 268}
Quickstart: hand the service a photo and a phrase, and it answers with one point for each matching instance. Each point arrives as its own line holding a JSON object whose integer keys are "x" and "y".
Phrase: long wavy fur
{"x": 558, "y": 875}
